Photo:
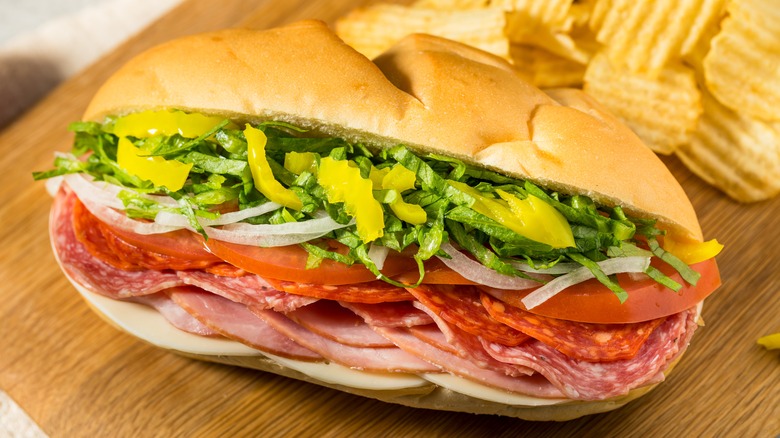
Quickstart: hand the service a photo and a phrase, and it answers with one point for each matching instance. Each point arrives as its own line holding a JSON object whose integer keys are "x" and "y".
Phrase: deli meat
{"x": 460, "y": 305}
{"x": 580, "y": 340}
{"x": 95, "y": 275}
{"x": 233, "y": 320}
{"x": 530, "y": 385}
{"x": 371, "y": 292}
{"x": 362, "y": 358}
{"x": 469, "y": 347}
{"x": 330, "y": 320}
{"x": 174, "y": 313}
{"x": 397, "y": 314}
{"x": 584, "y": 380}
{"x": 249, "y": 289}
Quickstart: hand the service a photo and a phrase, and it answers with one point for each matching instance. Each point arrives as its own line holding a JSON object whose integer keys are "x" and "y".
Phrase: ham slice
{"x": 535, "y": 385}
{"x": 394, "y": 314}
{"x": 362, "y": 358}
{"x": 250, "y": 290}
{"x": 584, "y": 380}
{"x": 93, "y": 274}
{"x": 329, "y": 320}
{"x": 174, "y": 313}
{"x": 233, "y": 320}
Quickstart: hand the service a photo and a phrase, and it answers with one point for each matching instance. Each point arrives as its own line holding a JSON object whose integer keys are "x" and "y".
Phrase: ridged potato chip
{"x": 646, "y": 35}
{"x": 545, "y": 69}
{"x": 662, "y": 111}
{"x": 450, "y": 4}
{"x": 374, "y": 29}
{"x": 529, "y": 15}
{"x": 742, "y": 68}
{"x": 736, "y": 153}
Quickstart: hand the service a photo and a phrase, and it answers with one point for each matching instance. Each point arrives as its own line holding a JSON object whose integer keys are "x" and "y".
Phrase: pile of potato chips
{"x": 696, "y": 78}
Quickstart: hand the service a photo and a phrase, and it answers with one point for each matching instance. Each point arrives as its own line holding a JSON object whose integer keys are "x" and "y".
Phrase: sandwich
{"x": 424, "y": 228}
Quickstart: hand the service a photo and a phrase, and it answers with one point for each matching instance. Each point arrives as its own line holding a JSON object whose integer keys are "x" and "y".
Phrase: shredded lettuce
{"x": 221, "y": 176}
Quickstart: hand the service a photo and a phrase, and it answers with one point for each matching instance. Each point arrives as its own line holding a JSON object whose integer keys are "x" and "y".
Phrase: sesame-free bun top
{"x": 432, "y": 94}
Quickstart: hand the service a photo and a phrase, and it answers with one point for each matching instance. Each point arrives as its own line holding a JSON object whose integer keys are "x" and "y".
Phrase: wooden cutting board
{"x": 77, "y": 376}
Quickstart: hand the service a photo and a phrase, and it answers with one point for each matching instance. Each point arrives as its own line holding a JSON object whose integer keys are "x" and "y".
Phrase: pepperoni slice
{"x": 579, "y": 340}
{"x": 460, "y": 305}
{"x": 371, "y": 292}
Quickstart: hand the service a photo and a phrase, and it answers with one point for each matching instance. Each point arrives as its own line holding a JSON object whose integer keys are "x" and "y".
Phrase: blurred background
{"x": 43, "y": 42}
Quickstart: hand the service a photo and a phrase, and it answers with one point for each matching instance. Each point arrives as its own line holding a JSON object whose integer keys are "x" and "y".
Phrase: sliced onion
{"x": 478, "y": 273}
{"x": 96, "y": 193}
{"x": 53, "y": 185}
{"x": 238, "y": 216}
{"x": 267, "y": 235}
{"x": 557, "y": 269}
{"x": 378, "y": 255}
{"x": 610, "y": 267}
{"x": 101, "y": 199}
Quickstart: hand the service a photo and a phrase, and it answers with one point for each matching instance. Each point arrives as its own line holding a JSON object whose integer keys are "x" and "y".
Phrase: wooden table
{"x": 77, "y": 376}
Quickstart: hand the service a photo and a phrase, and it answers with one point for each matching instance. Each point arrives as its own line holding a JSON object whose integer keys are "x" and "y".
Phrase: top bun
{"x": 432, "y": 94}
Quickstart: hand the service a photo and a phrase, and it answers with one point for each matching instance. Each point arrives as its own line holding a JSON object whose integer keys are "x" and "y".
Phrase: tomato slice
{"x": 590, "y": 301}
{"x": 289, "y": 263}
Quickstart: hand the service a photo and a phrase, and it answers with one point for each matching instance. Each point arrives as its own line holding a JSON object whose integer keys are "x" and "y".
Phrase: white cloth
{"x": 36, "y": 60}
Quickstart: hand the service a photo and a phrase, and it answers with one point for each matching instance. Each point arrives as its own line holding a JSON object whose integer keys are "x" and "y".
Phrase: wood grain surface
{"x": 76, "y": 376}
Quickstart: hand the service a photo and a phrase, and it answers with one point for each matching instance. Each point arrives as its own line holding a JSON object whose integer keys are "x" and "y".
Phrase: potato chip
{"x": 529, "y": 15}
{"x": 598, "y": 14}
{"x": 738, "y": 154}
{"x": 545, "y": 69}
{"x": 374, "y": 29}
{"x": 707, "y": 18}
{"x": 742, "y": 68}
{"x": 661, "y": 111}
{"x": 646, "y": 35}
{"x": 450, "y": 4}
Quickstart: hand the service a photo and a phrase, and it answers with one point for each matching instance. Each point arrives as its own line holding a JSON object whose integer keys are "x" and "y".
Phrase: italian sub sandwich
{"x": 424, "y": 228}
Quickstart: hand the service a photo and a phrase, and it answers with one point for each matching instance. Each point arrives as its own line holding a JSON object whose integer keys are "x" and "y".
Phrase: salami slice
{"x": 371, "y": 292}
{"x": 461, "y": 305}
{"x": 535, "y": 385}
{"x": 582, "y": 380}
{"x": 97, "y": 276}
{"x": 362, "y": 358}
{"x": 235, "y": 321}
{"x": 397, "y": 314}
{"x": 250, "y": 290}
{"x": 328, "y": 319}
{"x": 579, "y": 340}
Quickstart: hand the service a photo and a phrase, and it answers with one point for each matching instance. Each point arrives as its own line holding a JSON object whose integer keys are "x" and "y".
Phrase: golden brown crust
{"x": 431, "y": 94}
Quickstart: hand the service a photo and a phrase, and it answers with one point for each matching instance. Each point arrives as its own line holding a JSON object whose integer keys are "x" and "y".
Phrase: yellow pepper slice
{"x": 411, "y": 213}
{"x": 299, "y": 162}
{"x": 343, "y": 183}
{"x": 542, "y": 222}
{"x": 161, "y": 172}
{"x": 262, "y": 174}
{"x": 399, "y": 178}
{"x": 150, "y": 123}
{"x": 770, "y": 342}
{"x": 531, "y": 218}
{"x": 692, "y": 252}
{"x": 377, "y": 176}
